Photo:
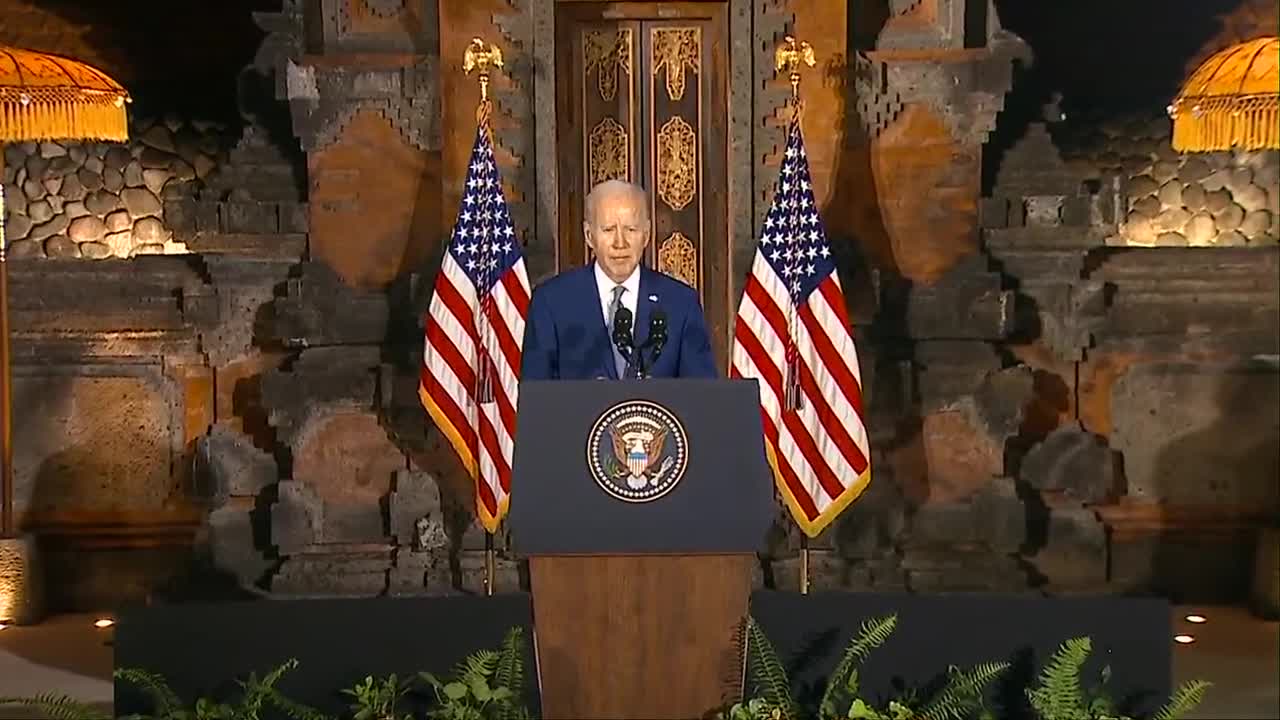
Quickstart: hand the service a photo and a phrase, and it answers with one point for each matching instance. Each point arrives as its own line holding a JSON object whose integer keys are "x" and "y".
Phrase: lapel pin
{"x": 653, "y": 298}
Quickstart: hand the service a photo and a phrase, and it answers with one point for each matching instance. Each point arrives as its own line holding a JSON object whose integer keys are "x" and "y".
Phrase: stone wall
{"x": 1172, "y": 199}
{"x": 1051, "y": 409}
{"x": 106, "y": 200}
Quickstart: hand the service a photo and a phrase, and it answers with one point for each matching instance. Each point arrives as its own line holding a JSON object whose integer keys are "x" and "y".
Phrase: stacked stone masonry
{"x": 105, "y": 200}
{"x": 1224, "y": 199}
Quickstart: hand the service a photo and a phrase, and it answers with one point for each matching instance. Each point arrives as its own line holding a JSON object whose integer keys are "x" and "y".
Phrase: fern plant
{"x": 256, "y": 694}
{"x": 960, "y": 698}
{"x": 375, "y": 699}
{"x": 481, "y": 686}
{"x": 56, "y": 707}
{"x": 842, "y": 686}
{"x": 1060, "y": 695}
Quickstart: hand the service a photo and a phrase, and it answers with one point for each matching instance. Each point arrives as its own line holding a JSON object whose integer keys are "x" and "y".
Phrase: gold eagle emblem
{"x": 636, "y": 450}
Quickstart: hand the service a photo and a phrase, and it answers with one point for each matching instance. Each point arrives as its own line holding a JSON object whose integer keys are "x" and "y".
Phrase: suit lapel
{"x": 643, "y": 306}
{"x": 591, "y": 301}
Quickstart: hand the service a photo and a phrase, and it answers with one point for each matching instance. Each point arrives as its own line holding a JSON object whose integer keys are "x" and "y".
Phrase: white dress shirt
{"x": 630, "y": 296}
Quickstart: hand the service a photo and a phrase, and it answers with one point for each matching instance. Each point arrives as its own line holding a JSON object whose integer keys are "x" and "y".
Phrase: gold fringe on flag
{"x": 1231, "y": 101}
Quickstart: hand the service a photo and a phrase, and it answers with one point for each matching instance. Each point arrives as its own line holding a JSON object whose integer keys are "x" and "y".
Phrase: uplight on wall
{"x": 1197, "y": 619}
{"x": 1184, "y": 639}
{"x": 104, "y": 623}
{"x": 19, "y": 586}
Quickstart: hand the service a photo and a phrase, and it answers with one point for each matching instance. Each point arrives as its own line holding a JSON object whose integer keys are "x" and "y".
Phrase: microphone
{"x": 657, "y": 338}
{"x": 622, "y": 335}
{"x": 657, "y": 331}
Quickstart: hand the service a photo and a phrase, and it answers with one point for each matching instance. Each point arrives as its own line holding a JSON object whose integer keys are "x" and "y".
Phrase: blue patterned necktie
{"x": 619, "y": 361}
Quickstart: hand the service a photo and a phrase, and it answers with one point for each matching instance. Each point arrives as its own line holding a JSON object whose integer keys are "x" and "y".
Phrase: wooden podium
{"x": 639, "y": 588}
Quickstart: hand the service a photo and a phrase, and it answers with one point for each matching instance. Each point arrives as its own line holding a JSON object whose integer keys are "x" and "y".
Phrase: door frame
{"x": 741, "y": 202}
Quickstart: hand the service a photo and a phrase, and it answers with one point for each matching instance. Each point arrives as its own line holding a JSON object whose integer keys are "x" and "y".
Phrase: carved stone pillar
{"x": 362, "y": 92}
{"x": 928, "y": 95}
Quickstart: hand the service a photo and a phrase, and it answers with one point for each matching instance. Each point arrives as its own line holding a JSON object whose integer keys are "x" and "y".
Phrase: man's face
{"x": 618, "y": 232}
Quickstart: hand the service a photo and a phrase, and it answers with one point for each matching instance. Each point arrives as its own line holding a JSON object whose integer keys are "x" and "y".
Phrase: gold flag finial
{"x": 789, "y": 55}
{"x": 480, "y": 58}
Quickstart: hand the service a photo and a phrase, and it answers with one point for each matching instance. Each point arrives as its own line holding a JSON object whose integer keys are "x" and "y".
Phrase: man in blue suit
{"x": 569, "y": 329}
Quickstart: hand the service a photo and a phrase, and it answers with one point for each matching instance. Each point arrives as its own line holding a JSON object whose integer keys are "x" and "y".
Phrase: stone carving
{"x": 676, "y": 50}
{"x": 324, "y": 100}
{"x": 383, "y": 8}
{"x": 608, "y": 152}
{"x": 678, "y": 258}
{"x": 677, "y": 163}
{"x": 513, "y": 100}
{"x": 772, "y": 21}
{"x": 608, "y": 55}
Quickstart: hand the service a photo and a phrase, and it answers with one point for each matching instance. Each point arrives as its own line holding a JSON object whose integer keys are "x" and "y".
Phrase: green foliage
{"x": 256, "y": 694}
{"x": 1184, "y": 700}
{"x": 769, "y": 676}
{"x": 962, "y": 696}
{"x": 478, "y": 688}
{"x": 376, "y": 700}
{"x": 842, "y": 686}
{"x": 56, "y": 707}
{"x": 1059, "y": 694}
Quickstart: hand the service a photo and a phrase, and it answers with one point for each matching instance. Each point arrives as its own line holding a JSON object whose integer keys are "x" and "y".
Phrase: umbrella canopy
{"x": 46, "y": 97}
{"x": 1231, "y": 100}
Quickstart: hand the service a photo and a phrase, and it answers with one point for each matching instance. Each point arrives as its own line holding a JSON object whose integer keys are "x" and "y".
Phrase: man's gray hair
{"x": 614, "y": 186}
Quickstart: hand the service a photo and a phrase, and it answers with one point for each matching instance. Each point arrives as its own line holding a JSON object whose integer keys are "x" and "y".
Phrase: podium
{"x": 640, "y": 506}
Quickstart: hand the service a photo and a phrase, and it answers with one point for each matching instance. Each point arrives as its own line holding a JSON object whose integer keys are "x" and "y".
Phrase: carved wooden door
{"x": 642, "y": 96}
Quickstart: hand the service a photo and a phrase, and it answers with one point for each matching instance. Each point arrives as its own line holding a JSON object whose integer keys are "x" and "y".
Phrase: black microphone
{"x": 656, "y": 339}
{"x": 622, "y": 336}
{"x": 657, "y": 331}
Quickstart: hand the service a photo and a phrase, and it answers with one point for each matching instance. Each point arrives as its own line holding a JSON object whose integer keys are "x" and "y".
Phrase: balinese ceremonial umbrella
{"x": 42, "y": 97}
{"x": 1231, "y": 101}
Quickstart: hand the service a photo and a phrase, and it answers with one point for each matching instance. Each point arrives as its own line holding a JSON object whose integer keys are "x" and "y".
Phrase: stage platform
{"x": 1235, "y": 650}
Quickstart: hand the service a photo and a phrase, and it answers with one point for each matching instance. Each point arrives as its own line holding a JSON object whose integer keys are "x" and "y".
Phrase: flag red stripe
{"x": 830, "y": 356}
{"x": 443, "y": 400}
{"x": 767, "y": 307}
{"x": 506, "y": 343}
{"x": 452, "y": 299}
{"x": 772, "y": 376}
{"x": 494, "y": 451}
{"x": 443, "y": 346}
{"x": 797, "y": 490}
{"x": 516, "y": 291}
{"x": 829, "y": 421}
{"x": 809, "y": 451}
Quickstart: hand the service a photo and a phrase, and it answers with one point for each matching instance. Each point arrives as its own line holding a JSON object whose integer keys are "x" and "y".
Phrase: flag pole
{"x": 790, "y": 54}
{"x": 804, "y": 564}
{"x": 480, "y": 56}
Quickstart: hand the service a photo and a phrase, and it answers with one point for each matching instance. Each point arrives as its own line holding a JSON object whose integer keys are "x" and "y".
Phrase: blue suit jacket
{"x": 565, "y": 336}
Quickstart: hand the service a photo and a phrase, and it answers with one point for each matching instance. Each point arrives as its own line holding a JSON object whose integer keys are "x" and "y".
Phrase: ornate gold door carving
{"x": 641, "y": 95}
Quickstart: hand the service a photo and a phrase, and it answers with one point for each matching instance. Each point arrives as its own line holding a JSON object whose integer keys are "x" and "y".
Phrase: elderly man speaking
{"x": 577, "y": 322}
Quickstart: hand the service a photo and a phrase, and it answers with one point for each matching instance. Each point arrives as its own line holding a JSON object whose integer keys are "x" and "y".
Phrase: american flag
{"x": 792, "y": 334}
{"x": 474, "y": 335}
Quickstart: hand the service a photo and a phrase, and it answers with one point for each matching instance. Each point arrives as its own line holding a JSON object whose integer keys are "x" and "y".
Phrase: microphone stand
{"x": 656, "y": 340}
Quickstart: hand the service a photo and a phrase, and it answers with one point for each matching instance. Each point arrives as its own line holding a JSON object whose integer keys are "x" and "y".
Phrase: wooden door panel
{"x": 642, "y": 95}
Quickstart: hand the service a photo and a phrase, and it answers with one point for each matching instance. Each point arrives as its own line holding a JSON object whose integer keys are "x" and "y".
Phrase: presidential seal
{"x": 637, "y": 451}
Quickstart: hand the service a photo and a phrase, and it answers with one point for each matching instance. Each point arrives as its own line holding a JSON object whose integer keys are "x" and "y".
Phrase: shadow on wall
{"x": 1229, "y": 457}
